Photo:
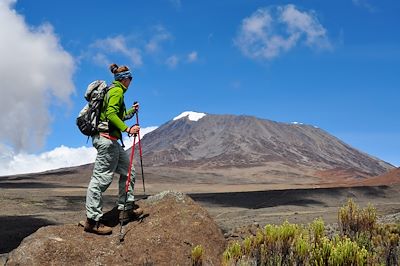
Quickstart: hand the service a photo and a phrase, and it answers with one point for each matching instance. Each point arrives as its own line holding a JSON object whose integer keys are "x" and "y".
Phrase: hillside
{"x": 220, "y": 143}
{"x": 390, "y": 178}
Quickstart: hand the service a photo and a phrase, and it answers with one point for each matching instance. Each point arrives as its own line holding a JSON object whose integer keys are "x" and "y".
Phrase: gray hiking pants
{"x": 111, "y": 157}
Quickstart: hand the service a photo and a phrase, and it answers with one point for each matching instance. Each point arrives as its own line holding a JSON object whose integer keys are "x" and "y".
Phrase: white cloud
{"x": 160, "y": 36}
{"x": 269, "y": 32}
{"x": 35, "y": 71}
{"x": 60, "y": 157}
{"x": 101, "y": 59}
{"x": 19, "y": 163}
{"x": 192, "y": 57}
{"x": 305, "y": 23}
{"x": 117, "y": 44}
{"x": 365, "y": 4}
{"x": 172, "y": 61}
{"x": 131, "y": 46}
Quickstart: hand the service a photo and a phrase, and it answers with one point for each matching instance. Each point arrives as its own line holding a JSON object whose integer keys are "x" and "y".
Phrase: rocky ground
{"x": 165, "y": 234}
{"x": 27, "y": 204}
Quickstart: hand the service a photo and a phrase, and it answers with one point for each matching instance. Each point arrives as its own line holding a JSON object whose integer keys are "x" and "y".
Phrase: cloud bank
{"x": 60, "y": 157}
{"x": 270, "y": 32}
{"x": 35, "y": 72}
{"x": 12, "y": 163}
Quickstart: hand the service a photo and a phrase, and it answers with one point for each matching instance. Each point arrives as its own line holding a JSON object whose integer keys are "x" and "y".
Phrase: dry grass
{"x": 361, "y": 240}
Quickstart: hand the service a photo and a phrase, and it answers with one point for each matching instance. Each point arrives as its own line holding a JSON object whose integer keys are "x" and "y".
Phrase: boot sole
{"x": 132, "y": 219}
{"x": 82, "y": 223}
{"x": 97, "y": 232}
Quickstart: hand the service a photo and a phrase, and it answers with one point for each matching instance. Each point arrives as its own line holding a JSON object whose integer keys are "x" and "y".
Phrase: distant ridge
{"x": 390, "y": 178}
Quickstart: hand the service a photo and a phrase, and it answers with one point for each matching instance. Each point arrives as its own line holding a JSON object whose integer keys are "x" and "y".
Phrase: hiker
{"x": 111, "y": 157}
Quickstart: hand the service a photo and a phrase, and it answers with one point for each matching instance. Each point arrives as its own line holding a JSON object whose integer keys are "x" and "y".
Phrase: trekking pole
{"x": 140, "y": 153}
{"x": 127, "y": 183}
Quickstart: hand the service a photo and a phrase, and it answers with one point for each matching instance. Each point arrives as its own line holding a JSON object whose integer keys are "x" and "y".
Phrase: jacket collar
{"x": 116, "y": 83}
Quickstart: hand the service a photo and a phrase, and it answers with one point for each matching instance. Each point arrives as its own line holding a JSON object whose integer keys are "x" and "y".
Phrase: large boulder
{"x": 173, "y": 224}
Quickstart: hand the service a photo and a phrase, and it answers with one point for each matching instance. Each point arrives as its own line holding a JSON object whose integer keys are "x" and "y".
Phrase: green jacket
{"x": 113, "y": 110}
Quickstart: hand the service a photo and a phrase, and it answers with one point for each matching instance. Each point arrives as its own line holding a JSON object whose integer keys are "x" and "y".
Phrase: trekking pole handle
{"x": 134, "y": 106}
{"x": 134, "y": 134}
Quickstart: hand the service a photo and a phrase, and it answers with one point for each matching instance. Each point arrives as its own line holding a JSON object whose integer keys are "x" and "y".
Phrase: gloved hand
{"x": 133, "y": 130}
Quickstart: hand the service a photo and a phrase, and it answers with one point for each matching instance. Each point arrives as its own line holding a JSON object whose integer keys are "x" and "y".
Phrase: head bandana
{"x": 123, "y": 75}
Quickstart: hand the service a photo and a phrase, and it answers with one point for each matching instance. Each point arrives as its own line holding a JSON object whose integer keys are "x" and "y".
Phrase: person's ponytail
{"x": 113, "y": 68}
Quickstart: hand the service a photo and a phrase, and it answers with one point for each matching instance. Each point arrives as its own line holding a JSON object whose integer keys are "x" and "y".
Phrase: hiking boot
{"x": 95, "y": 227}
{"x": 130, "y": 215}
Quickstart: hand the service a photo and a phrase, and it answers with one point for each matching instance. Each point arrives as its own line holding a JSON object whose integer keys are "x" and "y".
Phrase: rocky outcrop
{"x": 172, "y": 225}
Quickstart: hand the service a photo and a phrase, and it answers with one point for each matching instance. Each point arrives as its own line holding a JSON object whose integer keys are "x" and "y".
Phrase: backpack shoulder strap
{"x": 105, "y": 100}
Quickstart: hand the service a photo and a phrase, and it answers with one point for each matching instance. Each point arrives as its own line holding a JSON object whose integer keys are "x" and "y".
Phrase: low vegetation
{"x": 360, "y": 240}
{"x": 197, "y": 255}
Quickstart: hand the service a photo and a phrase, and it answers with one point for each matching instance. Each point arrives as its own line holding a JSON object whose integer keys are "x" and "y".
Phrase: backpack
{"x": 89, "y": 117}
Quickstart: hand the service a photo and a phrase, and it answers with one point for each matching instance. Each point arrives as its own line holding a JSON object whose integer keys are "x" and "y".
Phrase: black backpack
{"x": 89, "y": 116}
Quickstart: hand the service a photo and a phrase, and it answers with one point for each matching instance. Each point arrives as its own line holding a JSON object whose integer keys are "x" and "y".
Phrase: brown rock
{"x": 172, "y": 225}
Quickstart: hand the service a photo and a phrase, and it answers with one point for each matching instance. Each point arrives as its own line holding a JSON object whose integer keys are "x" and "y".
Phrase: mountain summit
{"x": 193, "y": 116}
{"x": 205, "y": 141}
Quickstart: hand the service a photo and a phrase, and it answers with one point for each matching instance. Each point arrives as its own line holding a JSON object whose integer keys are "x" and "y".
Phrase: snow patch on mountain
{"x": 193, "y": 116}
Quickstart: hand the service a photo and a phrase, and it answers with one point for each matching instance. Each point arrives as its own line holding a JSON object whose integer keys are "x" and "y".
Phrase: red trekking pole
{"x": 127, "y": 183}
{"x": 140, "y": 153}
{"x": 128, "y": 180}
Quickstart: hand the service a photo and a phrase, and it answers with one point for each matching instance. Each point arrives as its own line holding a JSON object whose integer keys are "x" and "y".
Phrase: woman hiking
{"x": 111, "y": 157}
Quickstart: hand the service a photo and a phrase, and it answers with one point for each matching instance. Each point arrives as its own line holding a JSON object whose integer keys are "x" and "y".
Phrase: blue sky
{"x": 332, "y": 64}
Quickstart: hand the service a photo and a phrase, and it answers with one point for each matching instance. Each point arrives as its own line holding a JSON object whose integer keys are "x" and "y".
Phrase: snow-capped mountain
{"x": 206, "y": 141}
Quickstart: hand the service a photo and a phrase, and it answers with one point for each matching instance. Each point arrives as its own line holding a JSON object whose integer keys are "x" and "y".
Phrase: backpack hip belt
{"x": 107, "y": 136}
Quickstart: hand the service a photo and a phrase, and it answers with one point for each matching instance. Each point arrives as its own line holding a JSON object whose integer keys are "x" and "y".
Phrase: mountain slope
{"x": 390, "y": 178}
{"x": 226, "y": 141}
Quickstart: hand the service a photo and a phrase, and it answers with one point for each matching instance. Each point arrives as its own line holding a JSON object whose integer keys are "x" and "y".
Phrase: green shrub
{"x": 347, "y": 252}
{"x": 320, "y": 252}
{"x": 353, "y": 220}
{"x": 232, "y": 254}
{"x": 361, "y": 241}
{"x": 317, "y": 230}
{"x": 248, "y": 245}
{"x": 386, "y": 243}
{"x": 301, "y": 249}
{"x": 197, "y": 255}
{"x": 381, "y": 241}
